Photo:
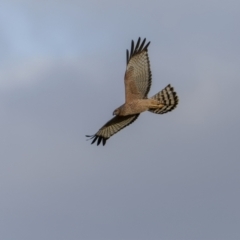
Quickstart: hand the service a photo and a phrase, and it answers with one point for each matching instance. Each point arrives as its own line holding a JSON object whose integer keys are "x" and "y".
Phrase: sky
{"x": 165, "y": 177}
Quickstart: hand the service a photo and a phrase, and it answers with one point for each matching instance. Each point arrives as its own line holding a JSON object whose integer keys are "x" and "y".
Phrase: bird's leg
{"x": 155, "y": 104}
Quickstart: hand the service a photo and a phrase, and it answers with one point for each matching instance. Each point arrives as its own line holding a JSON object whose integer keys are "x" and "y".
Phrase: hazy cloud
{"x": 174, "y": 176}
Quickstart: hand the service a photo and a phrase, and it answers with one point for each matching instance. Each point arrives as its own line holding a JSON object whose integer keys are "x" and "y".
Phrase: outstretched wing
{"x": 111, "y": 127}
{"x": 138, "y": 77}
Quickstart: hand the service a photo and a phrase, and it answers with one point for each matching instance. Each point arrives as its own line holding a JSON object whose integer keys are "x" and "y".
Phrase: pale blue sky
{"x": 169, "y": 177}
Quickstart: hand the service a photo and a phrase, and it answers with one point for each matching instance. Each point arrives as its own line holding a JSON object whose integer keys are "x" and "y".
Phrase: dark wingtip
{"x": 137, "y": 49}
{"x": 138, "y": 42}
{"x": 104, "y": 140}
{"x": 143, "y": 42}
{"x": 90, "y": 137}
{"x": 132, "y": 48}
{"x": 94, "y": 140}
{"x": 145, "y": 48}
{"x": 97, "y": 139}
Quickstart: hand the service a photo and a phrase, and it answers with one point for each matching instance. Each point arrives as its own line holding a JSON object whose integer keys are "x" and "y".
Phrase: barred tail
{"x": 168, "y": 97}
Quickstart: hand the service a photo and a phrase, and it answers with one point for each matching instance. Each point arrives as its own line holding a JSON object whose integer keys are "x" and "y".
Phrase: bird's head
{"x": 116, "y": 112}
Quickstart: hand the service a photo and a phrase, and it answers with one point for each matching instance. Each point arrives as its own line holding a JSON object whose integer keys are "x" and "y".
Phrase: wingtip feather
{"x": 132, "y": 48}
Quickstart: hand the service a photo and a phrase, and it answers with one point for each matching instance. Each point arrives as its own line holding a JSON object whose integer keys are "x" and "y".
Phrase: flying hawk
{"x": 137, "y": 80}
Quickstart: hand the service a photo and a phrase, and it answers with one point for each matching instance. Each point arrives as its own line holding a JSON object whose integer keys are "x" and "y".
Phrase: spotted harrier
{"x": 137, "y": 80}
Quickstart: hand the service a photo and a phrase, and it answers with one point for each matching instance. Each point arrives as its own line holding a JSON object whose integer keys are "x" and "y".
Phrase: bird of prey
{"x": 137, "y": 80}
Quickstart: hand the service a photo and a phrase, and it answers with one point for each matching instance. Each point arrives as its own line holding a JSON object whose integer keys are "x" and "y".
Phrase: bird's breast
{"x": 134, "y": 107}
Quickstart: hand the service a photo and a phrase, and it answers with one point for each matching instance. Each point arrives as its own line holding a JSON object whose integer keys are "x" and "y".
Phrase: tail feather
{"x": 168, "y": 97}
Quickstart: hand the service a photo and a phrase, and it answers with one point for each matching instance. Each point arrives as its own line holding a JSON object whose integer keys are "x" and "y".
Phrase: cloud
{"x": 23, "y": 73}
